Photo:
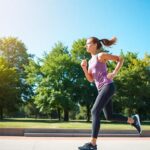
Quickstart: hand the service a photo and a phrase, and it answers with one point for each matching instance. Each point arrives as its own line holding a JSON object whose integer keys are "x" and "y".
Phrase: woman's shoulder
{"x": 101, "y": 56}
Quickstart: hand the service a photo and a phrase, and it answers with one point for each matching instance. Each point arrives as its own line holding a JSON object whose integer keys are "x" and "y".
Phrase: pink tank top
{"x": 99, "y": 72}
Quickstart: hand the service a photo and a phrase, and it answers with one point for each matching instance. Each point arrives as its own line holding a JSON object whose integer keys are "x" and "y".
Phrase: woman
{"x": 97, "y": 72}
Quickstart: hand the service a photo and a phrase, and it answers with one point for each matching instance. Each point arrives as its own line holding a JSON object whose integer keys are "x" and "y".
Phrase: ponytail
{"x": 107, "y": 42}
{"x": 104, "y": 42}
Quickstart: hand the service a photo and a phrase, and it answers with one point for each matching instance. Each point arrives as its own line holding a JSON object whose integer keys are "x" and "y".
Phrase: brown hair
{"x": 105, "y": 42}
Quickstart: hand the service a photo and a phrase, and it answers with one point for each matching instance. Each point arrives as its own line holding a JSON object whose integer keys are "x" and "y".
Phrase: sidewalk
{"x": 53, "y": 143}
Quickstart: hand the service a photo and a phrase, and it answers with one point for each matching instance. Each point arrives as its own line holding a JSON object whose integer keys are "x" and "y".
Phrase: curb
{"x": 40, "y": 132}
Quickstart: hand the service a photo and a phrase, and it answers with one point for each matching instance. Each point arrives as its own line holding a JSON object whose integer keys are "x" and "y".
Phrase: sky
{"x": 39, "y": 24}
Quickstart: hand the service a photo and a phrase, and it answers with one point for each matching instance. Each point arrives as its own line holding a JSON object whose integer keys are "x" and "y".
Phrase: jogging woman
{"x": 97, "y": 72}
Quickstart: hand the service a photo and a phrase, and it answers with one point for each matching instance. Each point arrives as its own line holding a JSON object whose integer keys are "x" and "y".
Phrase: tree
{"x": 54, "y": 82}
{"x": 85, "y": 97}
{"x": 134, "y": 83}
{"x": 15, "y": 53}
{"x": 9, "y": 90}
{"x": 33, "y": 78}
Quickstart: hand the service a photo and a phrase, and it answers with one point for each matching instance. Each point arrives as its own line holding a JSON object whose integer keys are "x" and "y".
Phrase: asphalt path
{"x": 72, "y": 143}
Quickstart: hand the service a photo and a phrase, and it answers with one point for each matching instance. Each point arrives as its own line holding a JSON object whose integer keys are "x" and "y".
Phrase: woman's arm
{"x": 86, "y": 72}
{"x": 104, "y": 57}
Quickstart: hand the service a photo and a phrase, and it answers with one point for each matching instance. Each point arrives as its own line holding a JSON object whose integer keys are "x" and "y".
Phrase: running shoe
{"x": 137, "y": 123}
{"x": 88, "y": 146}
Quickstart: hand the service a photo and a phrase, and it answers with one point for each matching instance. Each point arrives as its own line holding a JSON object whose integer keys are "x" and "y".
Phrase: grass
{"x": 47, "y": 123}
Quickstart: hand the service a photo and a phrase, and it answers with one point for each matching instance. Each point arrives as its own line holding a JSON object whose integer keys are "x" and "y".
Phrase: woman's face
{"x": 90, "y": 46}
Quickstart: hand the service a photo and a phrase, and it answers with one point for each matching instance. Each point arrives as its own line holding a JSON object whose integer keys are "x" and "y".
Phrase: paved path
{"x": 52, "y": 143}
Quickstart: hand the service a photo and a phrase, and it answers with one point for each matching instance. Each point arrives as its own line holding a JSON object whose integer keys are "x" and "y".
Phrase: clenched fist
{"x": 84, "y": 64}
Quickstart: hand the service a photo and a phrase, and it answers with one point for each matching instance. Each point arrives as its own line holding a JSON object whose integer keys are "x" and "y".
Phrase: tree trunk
{"x": 59, "y": 114}
{"x": 88, "y": 113}
{"x": 66, "y": 115}
{"x": 1, "y": 113}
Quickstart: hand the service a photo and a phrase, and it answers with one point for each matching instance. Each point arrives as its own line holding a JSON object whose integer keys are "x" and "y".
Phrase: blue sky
{"x": 42, "y": 23}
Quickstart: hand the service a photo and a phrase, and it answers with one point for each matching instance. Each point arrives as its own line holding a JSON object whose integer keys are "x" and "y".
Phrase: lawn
{"x": 47, "y": 123}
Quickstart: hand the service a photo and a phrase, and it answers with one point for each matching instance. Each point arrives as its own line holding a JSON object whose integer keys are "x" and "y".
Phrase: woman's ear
{"x": 95, "y": 45}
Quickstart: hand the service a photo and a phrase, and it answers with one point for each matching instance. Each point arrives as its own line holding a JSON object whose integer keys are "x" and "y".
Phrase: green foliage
{"x": 9, "y": 90}
{"x": 60, "y": 83}
{"x": 56, "y": 84}
{"x": 15, "y": 53}
{"x": 87, "y": 90}
{"x": 78, "y": 51}
{"x": 55, "y": 81}
{"x": 133, "y": 83}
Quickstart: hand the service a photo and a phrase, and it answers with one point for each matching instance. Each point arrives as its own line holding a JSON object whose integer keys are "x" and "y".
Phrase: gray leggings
{"x": 104, "y": 102}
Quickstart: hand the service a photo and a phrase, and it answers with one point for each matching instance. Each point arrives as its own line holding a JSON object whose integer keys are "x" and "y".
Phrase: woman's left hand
{"x": 111, "y": 75}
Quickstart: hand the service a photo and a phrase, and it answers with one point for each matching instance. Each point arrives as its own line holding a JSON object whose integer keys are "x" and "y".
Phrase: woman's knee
{"x": 95, "y": 112}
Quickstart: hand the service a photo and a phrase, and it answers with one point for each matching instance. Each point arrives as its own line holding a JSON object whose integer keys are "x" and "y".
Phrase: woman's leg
{"x": 109, "y": 115}
{"x": 102, "y": 99}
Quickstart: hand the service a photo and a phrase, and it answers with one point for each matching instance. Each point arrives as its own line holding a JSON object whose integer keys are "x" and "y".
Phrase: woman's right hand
{"x": 84, "y": 64}
{"x": 87, "y": 73}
